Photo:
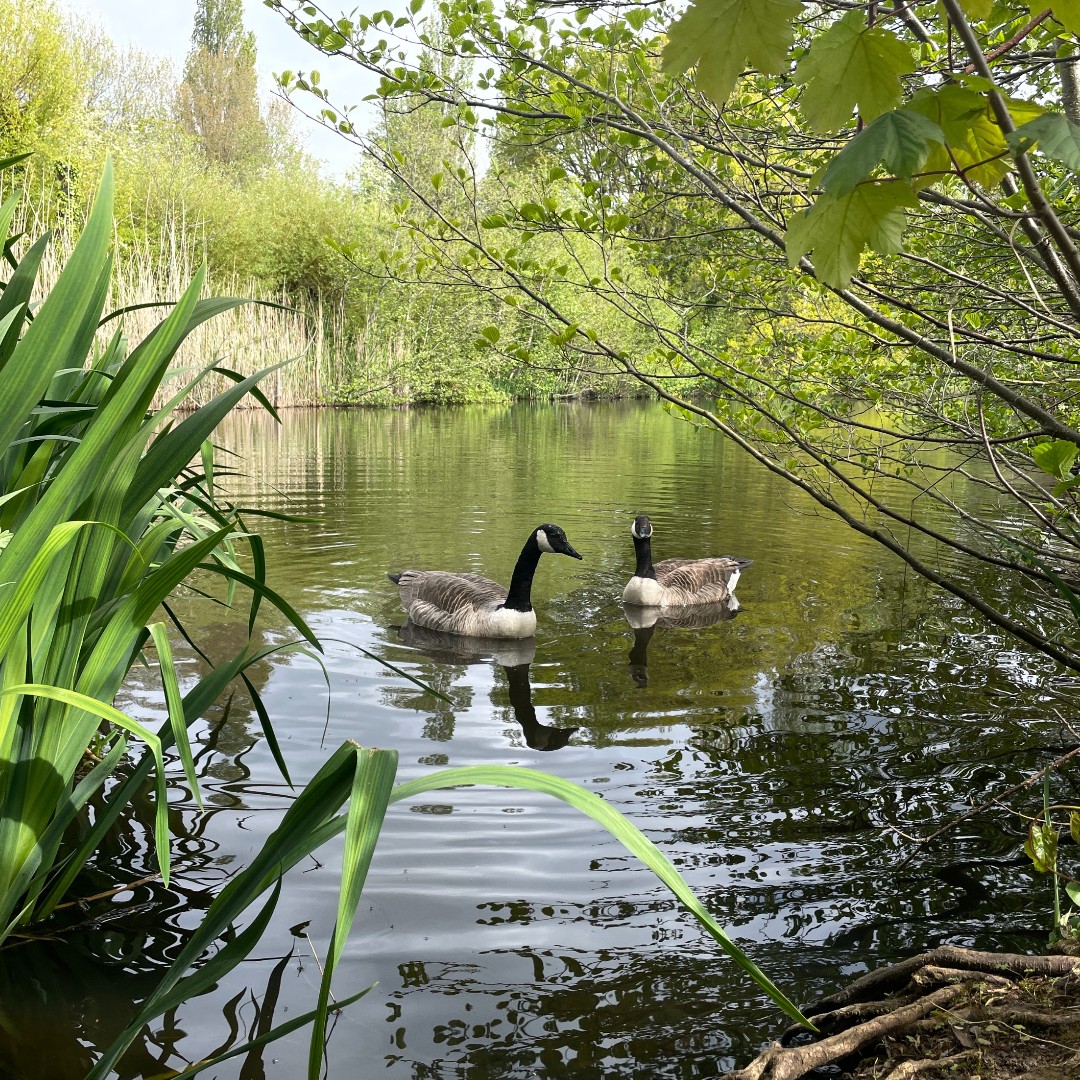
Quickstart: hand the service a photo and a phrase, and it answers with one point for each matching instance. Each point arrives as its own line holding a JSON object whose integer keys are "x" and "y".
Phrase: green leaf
{"x": 310, "y": 821}
{"x": 56, "y": 338}
{"x": 1056, "y": 135}
{"x": 114, "y": 716}
{"x": 1041, "y": 846}
{"x": 1055, "y": 457}
{"x": 977, "y": 9}
{"x": 720, "y": 35}
{"x": 1074, "y": 826}
{"x": 900, "y": 139}
{"x": 1067, "y": 12}
{"x": 852, "y": 66}
{"x": 837, "y": 228}
{"x": 974, "y": 143}
{"x": 622, "y": 829}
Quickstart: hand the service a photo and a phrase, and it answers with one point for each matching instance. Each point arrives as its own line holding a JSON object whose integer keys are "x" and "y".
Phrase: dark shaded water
{"x": 770, "y": 755}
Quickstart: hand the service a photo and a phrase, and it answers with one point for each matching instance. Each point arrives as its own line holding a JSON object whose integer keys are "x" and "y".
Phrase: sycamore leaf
{"x": 1058, "y": 138}
{"x": 851, "y": 66}
{"x": 1067, "y": 12}
{"x": 837, "y": 228}
{"x": 977, "y": 9}
{"x": 719, "y": 36}
{"x": 975, "y": 144}
{"x": 900, "y": 140}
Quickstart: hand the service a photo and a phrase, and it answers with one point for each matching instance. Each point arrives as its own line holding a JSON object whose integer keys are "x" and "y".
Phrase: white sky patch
{"x": 163, "y": 28}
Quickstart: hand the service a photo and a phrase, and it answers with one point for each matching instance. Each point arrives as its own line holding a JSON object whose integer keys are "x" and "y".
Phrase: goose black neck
{"x": 517, "y": 681}
{"x": 519, "y": 595}
{"x": 643, "y": 547}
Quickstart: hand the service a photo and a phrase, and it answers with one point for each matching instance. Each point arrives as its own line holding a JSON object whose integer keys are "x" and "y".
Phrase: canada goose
{"x": 475, "y": 606}
{"x": 678, "y": 582}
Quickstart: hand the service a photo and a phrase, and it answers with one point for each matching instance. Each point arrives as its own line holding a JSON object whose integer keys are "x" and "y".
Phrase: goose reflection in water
{"x": 514, "y": 655}
{"x": 645, "y": 620}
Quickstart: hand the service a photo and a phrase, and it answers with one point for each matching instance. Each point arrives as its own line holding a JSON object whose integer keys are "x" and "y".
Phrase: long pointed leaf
{"x": 628, "y": 834}
{"x": 115, "y": 716}
{"x": 48, "y": 343}
{"x": 310, "y": 815}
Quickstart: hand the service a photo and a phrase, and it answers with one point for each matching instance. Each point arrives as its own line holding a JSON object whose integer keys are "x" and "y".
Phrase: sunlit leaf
{"x": 838, "y": 228}
{"x": 719, "y": 36}
{"x": 852, "y": 66}
{"x": 975, "y": 143}
{"x": 1041, "y": 846}
{"x": 1067, "y": 12}
{"x": 1056, "y": 135}
{"x": 1055, "y": 458}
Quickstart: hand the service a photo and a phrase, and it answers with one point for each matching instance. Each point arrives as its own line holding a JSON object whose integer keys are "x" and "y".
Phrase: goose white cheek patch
{"x": 543, "y": 542}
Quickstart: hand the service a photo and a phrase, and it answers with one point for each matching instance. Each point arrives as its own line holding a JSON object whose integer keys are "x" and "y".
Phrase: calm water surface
{"x": 770, "y": 755}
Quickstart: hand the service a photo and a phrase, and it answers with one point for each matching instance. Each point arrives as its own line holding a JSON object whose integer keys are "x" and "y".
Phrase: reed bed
{"x": 244, "y": 339}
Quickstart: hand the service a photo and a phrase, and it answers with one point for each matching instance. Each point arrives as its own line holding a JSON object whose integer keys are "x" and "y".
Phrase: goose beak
{"x": 568, "y": 550}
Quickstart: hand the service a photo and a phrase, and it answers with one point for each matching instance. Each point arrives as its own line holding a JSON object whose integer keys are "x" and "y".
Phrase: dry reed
{"x": 155, "y": 271}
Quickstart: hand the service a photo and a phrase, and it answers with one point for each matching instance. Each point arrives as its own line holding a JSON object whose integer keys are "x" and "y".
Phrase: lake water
{"x": 772, "y": 756}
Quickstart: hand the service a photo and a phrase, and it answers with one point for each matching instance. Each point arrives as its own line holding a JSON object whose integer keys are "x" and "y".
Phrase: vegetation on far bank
{"x": 208, "y": 171}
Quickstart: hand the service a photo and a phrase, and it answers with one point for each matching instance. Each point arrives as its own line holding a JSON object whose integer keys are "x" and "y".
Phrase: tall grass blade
{"x": 58, "y": 324}
{"x": 628, "y": 834}
{"x": 311, "y": 819}
{"x": 114, "y": 716}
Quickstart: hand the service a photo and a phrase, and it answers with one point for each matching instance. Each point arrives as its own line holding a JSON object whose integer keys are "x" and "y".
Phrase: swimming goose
{"x": 678, "y": 582}
{"x": 475, "y": 606}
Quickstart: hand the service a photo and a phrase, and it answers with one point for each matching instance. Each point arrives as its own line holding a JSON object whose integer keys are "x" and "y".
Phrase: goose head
{"x": 642, "y": 527}
{"x": 551, "y": 539}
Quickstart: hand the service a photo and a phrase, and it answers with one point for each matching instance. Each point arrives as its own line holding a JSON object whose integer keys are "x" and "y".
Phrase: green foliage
{"x": 838, "y": 228}
{"x": 39, "y": 76}
{"x": 217, "y": 101}
{"x": 219, "y": 29}
{"x": 899, "y": 140}
{"x": 851, "y": 66}
{"x": 104, "y": 516}
{"x": 1054, "y": 134}
{"x": 720, "y": 36}
{"x": 1055, "y": 458}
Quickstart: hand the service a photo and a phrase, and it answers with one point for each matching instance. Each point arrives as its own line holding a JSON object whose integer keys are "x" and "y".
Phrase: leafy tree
{"x": 39, "y": 90}
{"x": 854, "y": 228}
{"x": 127, "y": 90}
{"x": 218, "y": 99}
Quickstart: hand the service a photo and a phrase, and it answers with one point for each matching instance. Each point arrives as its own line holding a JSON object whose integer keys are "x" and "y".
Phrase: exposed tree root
{"x": 956, "y": 1012}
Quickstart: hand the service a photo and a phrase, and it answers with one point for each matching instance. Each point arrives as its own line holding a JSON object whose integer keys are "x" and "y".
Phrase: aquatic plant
{"x": 106, "y": 506}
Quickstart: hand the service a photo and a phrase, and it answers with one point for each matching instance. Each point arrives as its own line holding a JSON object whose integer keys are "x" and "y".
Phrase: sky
{"x": 163, "y": 28}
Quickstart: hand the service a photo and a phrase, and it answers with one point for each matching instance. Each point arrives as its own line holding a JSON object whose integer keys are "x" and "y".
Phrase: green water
{"x": 772, "y": 755}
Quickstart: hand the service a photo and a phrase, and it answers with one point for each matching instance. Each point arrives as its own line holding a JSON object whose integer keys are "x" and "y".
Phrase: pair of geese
{"x": 475, "y": 606}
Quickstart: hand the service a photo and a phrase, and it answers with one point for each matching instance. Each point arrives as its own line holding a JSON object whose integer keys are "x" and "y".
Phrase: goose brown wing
{"x": 697, "y": 581}
{"x": 448, "y": 592}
